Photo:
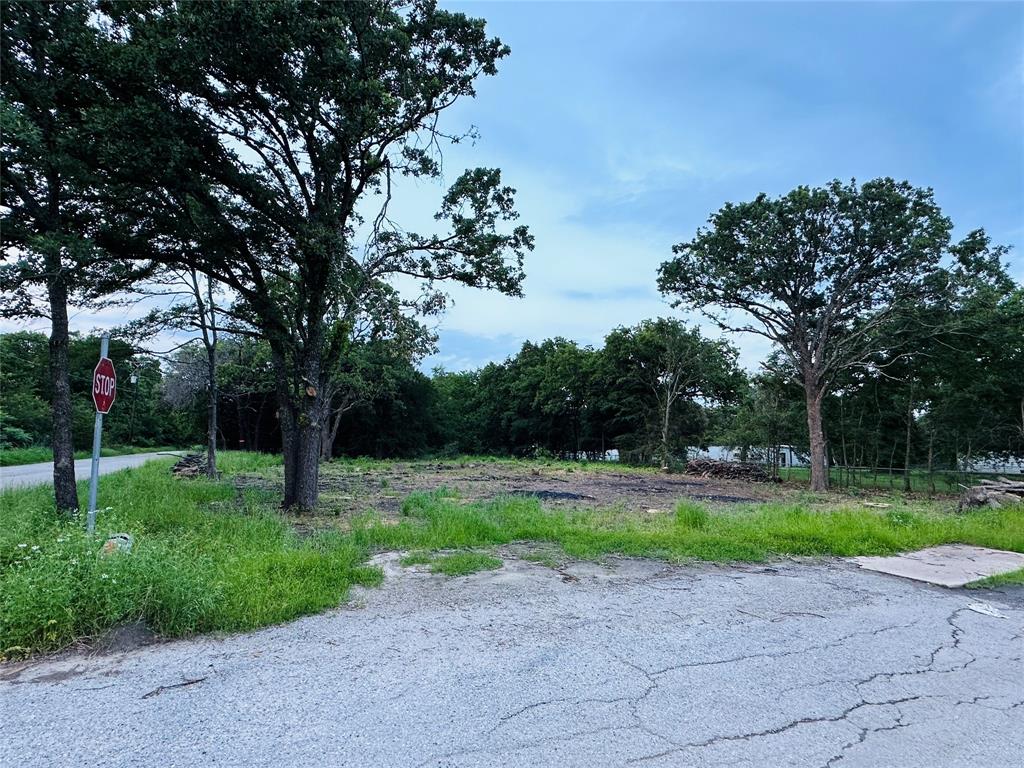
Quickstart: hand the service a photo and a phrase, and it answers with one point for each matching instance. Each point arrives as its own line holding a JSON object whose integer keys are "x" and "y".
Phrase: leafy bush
{"x": 13, "y": 437}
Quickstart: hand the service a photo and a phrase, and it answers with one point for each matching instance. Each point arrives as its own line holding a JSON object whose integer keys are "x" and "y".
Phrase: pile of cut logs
{"x": 191, "y": 465}
{"x": 733, "y": 470}
{"x": 993, "y": 493}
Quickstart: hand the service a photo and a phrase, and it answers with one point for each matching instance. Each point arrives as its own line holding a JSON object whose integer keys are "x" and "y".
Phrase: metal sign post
{"x": 104, "y": 390}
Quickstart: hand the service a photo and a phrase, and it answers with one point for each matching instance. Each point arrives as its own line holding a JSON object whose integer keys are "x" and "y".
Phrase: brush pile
{"x": 731, "y": 470}
{"x": 993, "y": 493}
{"x": 191, "y": 465}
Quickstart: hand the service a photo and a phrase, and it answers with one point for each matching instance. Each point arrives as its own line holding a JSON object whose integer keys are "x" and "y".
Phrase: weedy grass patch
{"x": 743, "y": 533}
{"x": 464, "y": 563}
{"x": 452, "y": 564}
{"x": 203, "y": 560}
{"x": 208, "y": 557}
{"x": 419, "y": 557}
{"x": 1013, "y": 578}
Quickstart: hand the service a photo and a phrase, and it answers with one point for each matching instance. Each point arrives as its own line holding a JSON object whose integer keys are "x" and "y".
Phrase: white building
{"x": 788, "y": 456}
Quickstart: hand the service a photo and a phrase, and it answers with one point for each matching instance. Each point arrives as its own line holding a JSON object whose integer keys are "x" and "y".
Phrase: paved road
{"x": 634, "y": 664}
{"x": 42, "y": 474}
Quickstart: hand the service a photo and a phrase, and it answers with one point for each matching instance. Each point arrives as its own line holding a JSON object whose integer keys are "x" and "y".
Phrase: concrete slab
{"x": 951, "y": 565}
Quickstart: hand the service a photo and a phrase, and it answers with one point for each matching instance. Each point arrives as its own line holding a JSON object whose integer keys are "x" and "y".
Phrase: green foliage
{"x": 316, "y": 113}
{"x": 947, "y": 379}
{"x": 199, "y": 563}
{"x": 824, "y": 273}
{"x": 842, "y": 253}
{"x": 556, "y": 398}
{"x": 140, "y": 416}
{"x": 660, "y": 377}
{"x": 50, "y": 61}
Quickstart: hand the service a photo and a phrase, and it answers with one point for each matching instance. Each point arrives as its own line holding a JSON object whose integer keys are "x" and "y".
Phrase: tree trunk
{"x": 301, "y": 416}
{"x": 906, "y": 451}
{"x": 65, "y": 490}
{"x": 308, "y": 457}
{"x": 211, "y": 413}
{"x": 819, "y": 469}
{"x": 666, "y": 418}
{"x": 931, "y": 477}
{"x": 326, "y": 444}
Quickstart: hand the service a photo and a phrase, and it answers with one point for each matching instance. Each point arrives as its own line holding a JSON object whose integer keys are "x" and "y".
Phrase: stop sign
{"x": 104, "y": 385}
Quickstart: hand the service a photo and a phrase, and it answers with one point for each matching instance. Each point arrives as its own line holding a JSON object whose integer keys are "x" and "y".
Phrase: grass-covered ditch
{"x": 207, "y": 557}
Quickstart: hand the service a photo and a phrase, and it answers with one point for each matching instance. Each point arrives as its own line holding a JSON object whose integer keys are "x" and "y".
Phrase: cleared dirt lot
{"x": 355, "y": 487}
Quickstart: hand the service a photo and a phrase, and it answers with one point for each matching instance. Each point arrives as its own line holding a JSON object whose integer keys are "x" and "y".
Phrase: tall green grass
{"x": 754, "y": 533}
{"x": 207, "y": 557}
{"x": 203, "y": 559}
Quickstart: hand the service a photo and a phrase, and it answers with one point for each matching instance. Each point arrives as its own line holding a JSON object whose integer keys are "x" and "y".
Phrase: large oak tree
{"x": 821, "y": 272}
{"x": 267, "y": 140}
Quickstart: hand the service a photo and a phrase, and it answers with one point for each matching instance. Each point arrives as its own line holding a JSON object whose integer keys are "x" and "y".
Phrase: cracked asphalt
{"x": 627, "y": 663}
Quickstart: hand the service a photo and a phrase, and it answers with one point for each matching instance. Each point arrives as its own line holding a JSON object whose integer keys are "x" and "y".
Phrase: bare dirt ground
{"x": 350, "y": 488}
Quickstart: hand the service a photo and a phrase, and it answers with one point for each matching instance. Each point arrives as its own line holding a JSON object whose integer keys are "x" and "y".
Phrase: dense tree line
{"x": 645, "y": 393}
{"x": 143, "y": 415}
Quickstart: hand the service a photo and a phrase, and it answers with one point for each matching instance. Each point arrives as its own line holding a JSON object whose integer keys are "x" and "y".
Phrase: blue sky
{"x": 624, "y": 125}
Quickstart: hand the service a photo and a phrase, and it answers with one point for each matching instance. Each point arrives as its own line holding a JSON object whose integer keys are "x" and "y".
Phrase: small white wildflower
{"x": 104, "y": 576}
{"x": 35, "y": 548}
{"x": 22, "y": 546}
{"x": 74, "y": 561}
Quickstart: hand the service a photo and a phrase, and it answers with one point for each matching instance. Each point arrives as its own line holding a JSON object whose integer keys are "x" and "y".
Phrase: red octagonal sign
{"x": 104, "y": 385}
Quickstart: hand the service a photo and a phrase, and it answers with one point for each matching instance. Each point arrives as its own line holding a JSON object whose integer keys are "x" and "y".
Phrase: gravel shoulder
{"x": 629, "y": 662}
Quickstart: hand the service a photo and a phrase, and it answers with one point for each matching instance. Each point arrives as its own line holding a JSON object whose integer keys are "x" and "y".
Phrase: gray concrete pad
{"x": 951, "y": 565}
{"x": 627, "y": 663}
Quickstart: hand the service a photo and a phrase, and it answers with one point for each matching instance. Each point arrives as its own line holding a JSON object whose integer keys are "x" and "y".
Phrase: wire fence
{"x": 921, "y": 479}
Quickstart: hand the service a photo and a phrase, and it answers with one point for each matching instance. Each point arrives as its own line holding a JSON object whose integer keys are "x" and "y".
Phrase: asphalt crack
{"x": 772, "y": 731}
